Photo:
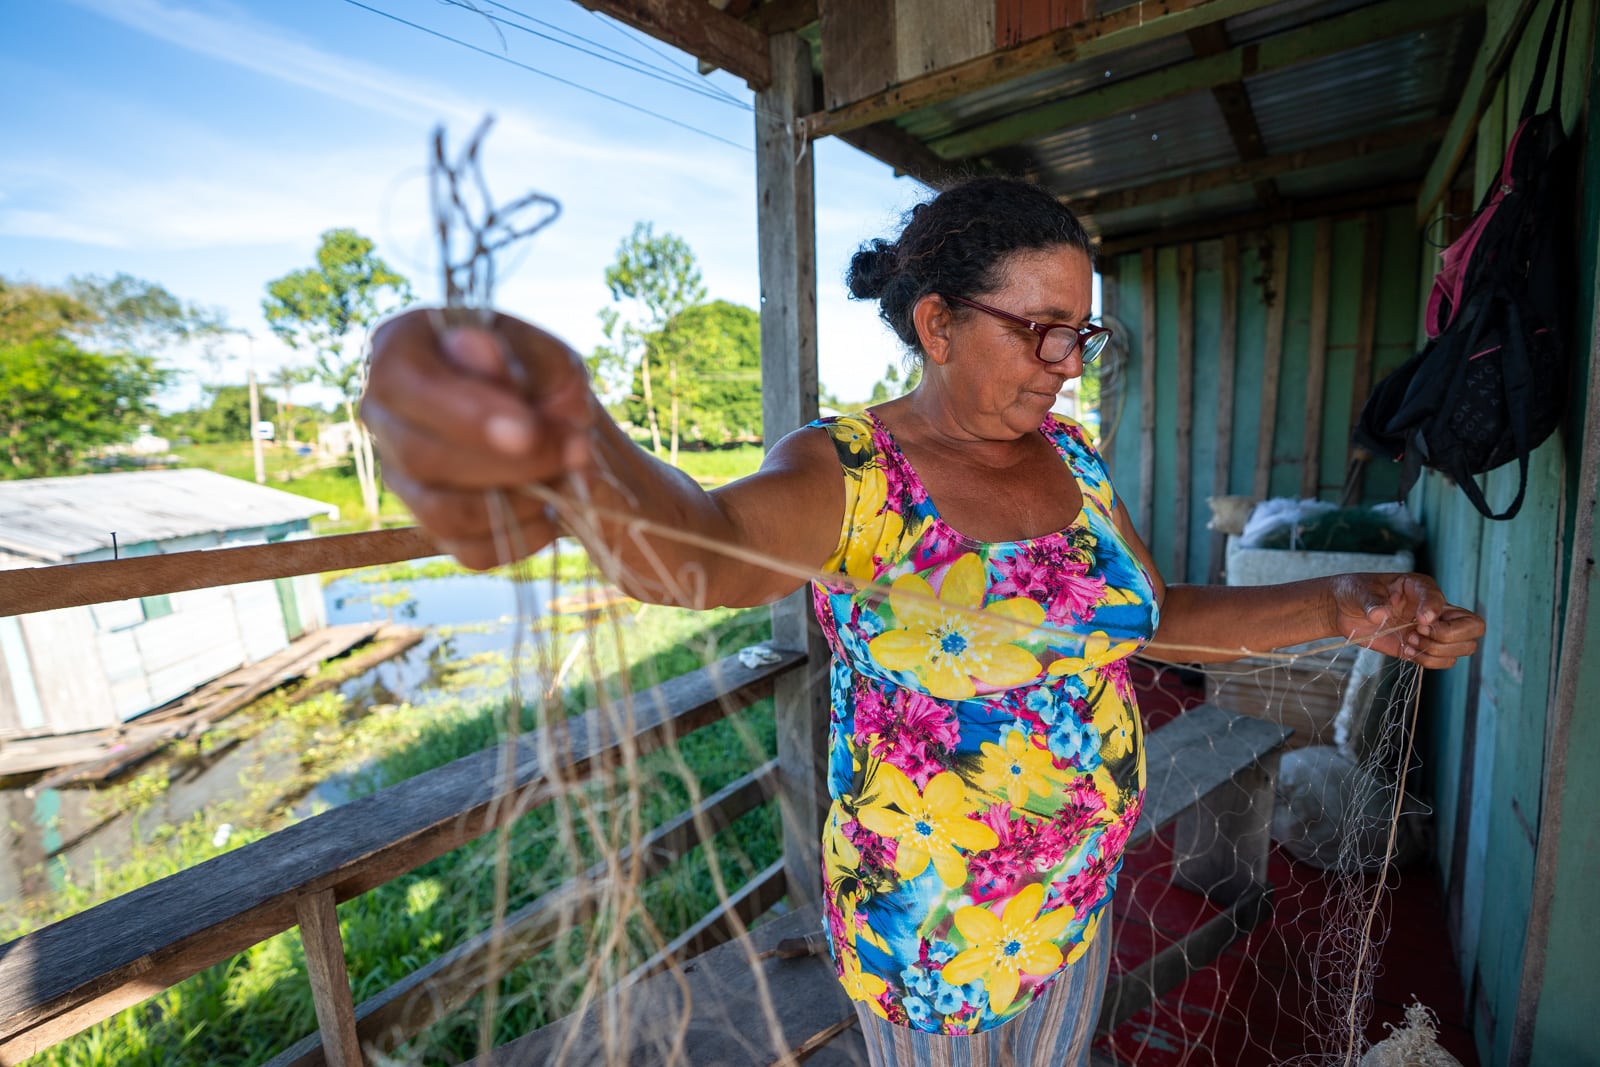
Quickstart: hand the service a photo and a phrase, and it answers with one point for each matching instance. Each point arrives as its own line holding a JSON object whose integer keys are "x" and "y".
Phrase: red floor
{"x": 1262, "y": 1002}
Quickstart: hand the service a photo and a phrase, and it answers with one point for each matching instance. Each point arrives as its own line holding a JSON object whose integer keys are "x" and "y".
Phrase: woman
{"x": 980, "y": 585}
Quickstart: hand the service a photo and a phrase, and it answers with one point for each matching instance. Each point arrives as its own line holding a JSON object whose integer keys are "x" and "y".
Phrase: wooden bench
{"x": 1209, "y": 776}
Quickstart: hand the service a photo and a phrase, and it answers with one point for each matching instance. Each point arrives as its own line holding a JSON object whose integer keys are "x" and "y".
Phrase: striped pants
{"x": 1053, "y": 1031}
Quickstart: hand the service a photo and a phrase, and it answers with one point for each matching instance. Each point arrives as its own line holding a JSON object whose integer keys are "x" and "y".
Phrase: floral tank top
{"x": 986, "y": 762}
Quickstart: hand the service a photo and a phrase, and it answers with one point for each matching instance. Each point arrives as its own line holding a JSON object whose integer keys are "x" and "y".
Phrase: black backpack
{"x": 1492, "y": 383}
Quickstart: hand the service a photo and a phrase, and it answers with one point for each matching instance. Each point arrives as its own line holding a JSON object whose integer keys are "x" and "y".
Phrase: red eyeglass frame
{"x": 1081, "y": 334}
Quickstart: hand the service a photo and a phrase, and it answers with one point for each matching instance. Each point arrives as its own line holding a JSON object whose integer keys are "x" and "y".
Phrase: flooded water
{"x": 58, "y": 834}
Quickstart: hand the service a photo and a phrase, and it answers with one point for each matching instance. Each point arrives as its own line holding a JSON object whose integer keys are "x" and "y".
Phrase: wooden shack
{"x": 1269, "y": 181}
{"x": 84, "y": 668}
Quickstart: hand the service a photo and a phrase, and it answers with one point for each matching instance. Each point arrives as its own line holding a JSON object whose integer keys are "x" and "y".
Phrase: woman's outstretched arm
{"x": 458, "y": 414}
{"x": 1401, "y": 615}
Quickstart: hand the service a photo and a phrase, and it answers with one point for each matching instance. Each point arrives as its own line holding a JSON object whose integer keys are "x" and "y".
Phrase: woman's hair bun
{"x": 871, "y": 269}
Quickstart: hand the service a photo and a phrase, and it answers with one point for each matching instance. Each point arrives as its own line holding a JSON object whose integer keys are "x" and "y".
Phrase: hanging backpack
{"x": 1492, "y": 382}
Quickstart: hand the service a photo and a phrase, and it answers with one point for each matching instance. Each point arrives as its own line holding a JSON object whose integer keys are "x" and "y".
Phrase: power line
{"x": 635, "y": 37}
{"x": 616, "y": 58}
{"x": 553, "y": 77}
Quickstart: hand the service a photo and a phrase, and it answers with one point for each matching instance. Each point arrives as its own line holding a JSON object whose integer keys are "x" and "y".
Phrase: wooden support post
{"x": 1220, "y": 845}
{"x": 786, "y": 231}
{"x": 1317, "y": 361}
{"x": 1227, "y": 356}
{"x": 1366, "y": 338}
{"x": 330, "y": 984}
{"x": 1183, "y": 490}
{"x": 1273, "y": 361}
{"x": 1147, "y": 394}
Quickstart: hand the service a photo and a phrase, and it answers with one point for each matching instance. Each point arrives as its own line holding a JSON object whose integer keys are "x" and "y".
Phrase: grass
{"x": 718, "y": 465}
{"x": 249, "y": 1008}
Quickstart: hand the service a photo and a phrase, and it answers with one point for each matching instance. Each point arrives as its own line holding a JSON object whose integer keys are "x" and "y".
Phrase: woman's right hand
{"x": 458, "y": 413}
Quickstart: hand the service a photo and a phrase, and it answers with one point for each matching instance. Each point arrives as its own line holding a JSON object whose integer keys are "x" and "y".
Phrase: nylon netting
{"x": 1254, "y": 923}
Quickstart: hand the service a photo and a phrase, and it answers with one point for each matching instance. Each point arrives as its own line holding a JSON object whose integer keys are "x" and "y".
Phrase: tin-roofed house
{"x": 90, "y": 667}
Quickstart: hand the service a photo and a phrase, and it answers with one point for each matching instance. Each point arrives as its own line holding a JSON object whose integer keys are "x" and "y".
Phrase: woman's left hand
{"x": 1406, "y": 616}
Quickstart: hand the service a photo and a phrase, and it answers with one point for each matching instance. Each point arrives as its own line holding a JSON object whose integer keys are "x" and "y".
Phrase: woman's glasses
{"x": 1057, "y": 340}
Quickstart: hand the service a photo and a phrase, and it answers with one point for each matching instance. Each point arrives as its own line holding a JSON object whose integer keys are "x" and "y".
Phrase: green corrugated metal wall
{"x": 1393, "y": 341}
{"x": 1485, "y": 749}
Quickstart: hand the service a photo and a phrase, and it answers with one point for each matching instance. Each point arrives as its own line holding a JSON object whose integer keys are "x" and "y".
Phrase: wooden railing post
{"x": 330, "y": 983}
{"x": 785, "y": 223}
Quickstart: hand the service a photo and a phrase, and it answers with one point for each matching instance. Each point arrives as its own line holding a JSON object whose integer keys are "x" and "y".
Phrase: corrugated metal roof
{"x": 1367, "y": 89}
{"x": 1359, "y": 92}
{"x": 52, "y": 520}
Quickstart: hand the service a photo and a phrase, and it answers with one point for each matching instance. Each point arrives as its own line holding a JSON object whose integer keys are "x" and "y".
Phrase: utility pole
{"x": 255, "y": 421}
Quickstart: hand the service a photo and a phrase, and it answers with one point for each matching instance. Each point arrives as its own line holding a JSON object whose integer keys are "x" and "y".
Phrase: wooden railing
{"x": 66, "y": 977}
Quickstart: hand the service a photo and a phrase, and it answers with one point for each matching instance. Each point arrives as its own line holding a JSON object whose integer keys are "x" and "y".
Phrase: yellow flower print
{"x": 853, "y": 434}
{"x": 859, "y": 985}
{"x": 1017, "y": 768}
{"x": 930, "y": 825}
{"x": 1114, "y": 596}
{"x": 841, "y": 858}
{"x": 1114, "y": 724}
{"x": 1020, "y": 941}
{"x": 1097, "y": 649}
{"x": 949, "y": 639}
{"x": 1082, "y": 946}
{"x": 870, "y": 534}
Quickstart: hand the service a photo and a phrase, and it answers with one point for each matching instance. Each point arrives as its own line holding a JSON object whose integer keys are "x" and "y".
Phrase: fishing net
{"x": 1254, "y": 911}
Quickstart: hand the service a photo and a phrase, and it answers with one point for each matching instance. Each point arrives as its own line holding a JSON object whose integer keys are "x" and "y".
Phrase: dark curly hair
{"x": 955, "y": 244}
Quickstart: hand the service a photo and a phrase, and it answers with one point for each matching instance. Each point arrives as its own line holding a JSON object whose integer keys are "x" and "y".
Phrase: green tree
{"x": 225, "y": 415}
{"x": 890, "y": 386}
{"x": 128, "y": 314}
{"x": 656, "y": 278}
{"x": 79, "y": 368}
{"x": 716, "y": 349}
{"x": 320, "y": 308}
{"x": 59, "y": 401}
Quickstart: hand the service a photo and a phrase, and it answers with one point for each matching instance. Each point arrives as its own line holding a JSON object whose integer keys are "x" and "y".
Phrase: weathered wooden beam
{"x": 71, "y": 974}
{"x": 1185, "y": 428}
{"x": 1147, "y": 393}
{"x": 781, "y": 16}
{"x": 1500, "y": 38}
{"x": 1289, "y": 211}
{"x": 330, "y": 981}
{"x": 1319, "y": 39}
{"x": 891, "y": 145}
{"x": 72, "y": 585}
{"x": 1258, "y": 170}
{"x": 787, "y": 255}
{"x": 1233, "y": 99}
{"x": 1316, "y": 361}
{"x": 1267, "y": 424}
{"x": 1133, "y": 25}
{"x": 1227, "y": 361}
{"x": 695, "y": 27}
{"x": 407, "y": 1007}
{"x": 728, "y": 920}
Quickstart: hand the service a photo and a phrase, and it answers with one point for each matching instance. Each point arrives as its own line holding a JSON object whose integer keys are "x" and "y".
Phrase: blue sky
{"x": 205, "y": 145}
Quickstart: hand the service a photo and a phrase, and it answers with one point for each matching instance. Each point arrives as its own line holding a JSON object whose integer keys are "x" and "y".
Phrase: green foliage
{"x": 246, "y": 1010}
{"x": 128, "y": 314}
{"x": 318, "y": 308}
{"x": 715, "y": 351}
{"x": 656, "y": 277}
{"x": 31, "y": 312}
{"x": 223, "y": 416}
{"x": 78, "y": 368}
{"x": 57, "y": 402}
{"x": 890, "y": 385}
